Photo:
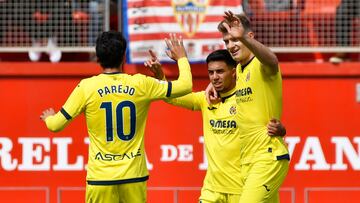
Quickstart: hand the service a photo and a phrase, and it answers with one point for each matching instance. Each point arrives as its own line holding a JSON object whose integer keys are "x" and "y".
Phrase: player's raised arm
{"x": 188, "y": 101}
{"x": 176, "y": 51}
{"x": 234, "y": 26}
{"x": 154, "y": 65}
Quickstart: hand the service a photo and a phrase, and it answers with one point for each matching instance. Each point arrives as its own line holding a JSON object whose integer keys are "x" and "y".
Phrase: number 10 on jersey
{"x": 120, "y": 120}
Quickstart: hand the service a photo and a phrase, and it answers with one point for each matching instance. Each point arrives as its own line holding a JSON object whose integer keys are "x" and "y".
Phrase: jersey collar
{"x": 112, "y": 73}
{"x": 244, "y": 66}
{"x": 228, "y": 94}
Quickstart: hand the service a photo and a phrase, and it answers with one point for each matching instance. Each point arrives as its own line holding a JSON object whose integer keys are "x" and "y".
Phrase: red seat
{"x": 274, "y": 28}
{"x": 40, "y": 17}
{"x": 319, "y": 18}
{"x": 80, "y": 17}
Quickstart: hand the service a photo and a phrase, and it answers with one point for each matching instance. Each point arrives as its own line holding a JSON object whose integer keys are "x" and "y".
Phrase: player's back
{"x": 116, "y": 107}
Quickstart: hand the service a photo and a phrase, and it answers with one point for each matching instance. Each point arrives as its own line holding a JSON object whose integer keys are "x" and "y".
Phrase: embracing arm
{"x": 276, "y": 128}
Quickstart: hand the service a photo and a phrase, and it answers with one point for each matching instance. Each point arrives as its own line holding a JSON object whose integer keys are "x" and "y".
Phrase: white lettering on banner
{"x": 86, "y": 141}
{"x": 185, "y": 152}
{"x": 7, "y": 163}
{"x": 204, "y": 165}
{"x": 148, "y": 164}
{"x": 179, "y": 153}
{"x": 62, "y": 156}
{"x": 33, "y": 147}
{"x": 312, "y": 151}
{"x": 292, "y": 142}
{"x": 344, "y": 147}
{"x": 36, "y": 154}
{"x": 168, "y": 153}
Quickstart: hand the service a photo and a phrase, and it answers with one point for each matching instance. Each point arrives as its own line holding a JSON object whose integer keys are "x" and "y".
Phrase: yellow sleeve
{"x": 183, "y": 84}
{"x": 56, "y": 122}
{"x": 159, "y": 89}
{"x": 74, "y": 105}
{"x": 190, "y": 101}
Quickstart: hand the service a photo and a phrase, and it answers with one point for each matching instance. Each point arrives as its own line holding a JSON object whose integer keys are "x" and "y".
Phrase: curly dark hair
{"x": 110, "y": 49}
{"x": 221, "y": 55}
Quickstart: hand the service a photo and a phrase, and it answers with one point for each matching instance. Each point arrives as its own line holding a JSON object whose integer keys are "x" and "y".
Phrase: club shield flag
{"x": 148, "y": 22}
{"x": 189, "y": 14}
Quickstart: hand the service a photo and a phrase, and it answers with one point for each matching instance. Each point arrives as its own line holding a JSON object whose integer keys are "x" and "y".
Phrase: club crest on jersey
{"x": 190, "y": 14}
{"x": 232, "y": 110}
{"x": 247, "y": 77}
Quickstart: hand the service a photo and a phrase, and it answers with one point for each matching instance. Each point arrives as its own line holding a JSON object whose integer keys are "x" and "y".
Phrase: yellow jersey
{"x": 116, "y": 108}
{"x": 221, "y": 140}
{"x": 259, "y": 98}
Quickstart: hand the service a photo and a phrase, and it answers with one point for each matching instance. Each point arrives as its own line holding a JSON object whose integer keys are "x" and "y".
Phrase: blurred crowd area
{"x": 26, "y": 26}
{"x": 39, "y": 28}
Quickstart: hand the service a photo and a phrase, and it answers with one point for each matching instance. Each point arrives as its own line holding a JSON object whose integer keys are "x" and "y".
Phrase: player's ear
{"x": 233, "y": 72}
{"x": 251, "y": 34}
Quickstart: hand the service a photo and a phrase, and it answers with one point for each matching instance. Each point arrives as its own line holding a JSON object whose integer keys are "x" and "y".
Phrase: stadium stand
{"x": 301, "y": 29}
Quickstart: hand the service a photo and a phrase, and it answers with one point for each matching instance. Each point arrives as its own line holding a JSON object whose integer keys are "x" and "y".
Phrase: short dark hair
{"x": 244, "y": 20}
{"x": 110, "y": 49}
{"x": 221, "y": 55}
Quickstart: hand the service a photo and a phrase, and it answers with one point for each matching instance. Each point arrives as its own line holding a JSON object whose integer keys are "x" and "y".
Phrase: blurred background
{"x": 47, "y": 47}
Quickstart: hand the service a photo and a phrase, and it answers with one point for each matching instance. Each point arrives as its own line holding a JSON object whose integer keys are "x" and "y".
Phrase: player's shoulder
{"x": 89, "y": 80}
{"x": 200, "y": 94}
{"x": 147, "y": 79}
{"x": 201, "y": 97}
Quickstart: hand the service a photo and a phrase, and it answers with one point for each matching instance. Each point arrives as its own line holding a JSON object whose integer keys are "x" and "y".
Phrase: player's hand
{"x": 47, "y": 113}
{"x": 175, "y": 47}
{"x": 211, "y": 94}
{"x": 233, "y": 25}
{"x": 154, "y": 65}
{"x": 276, "y": 128}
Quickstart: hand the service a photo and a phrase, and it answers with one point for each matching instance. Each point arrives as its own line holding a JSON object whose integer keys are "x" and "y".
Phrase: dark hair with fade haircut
{"x": 244, "y": 20}
{"x": 110, "y": 49}
{"x": 221, "y": 55}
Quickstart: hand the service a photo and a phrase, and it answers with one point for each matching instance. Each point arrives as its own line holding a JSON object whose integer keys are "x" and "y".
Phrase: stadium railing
{"x": 74, "y": 24}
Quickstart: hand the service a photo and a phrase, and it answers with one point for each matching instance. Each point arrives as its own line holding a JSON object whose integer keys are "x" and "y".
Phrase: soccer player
{"x": 115, "y": 105}
{"x": 264, "y": 159}
{"x": 222, "y": 182}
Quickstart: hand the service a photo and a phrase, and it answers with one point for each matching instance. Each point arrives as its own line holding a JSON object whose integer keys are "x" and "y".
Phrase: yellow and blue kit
{"x": 116, "y": 107}
{"x": 221, "y": 140}
{"x": 264, "y": 159}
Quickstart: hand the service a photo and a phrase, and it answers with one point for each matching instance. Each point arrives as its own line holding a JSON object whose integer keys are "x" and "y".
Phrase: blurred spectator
{"x": 269, "y": 5}
{"x": 49, "y": 21}
{"x": 278, "y": 5}
{"x": 95, "y": 19}
{"x": 345, "y": 13}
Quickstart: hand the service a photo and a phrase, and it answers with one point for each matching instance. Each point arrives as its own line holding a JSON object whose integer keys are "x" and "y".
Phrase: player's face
{"x": 239, "y": 52}
{"x": 221, "y": 76}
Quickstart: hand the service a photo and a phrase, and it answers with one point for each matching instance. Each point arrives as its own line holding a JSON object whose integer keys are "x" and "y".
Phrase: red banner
{"x": 321, "y": 114}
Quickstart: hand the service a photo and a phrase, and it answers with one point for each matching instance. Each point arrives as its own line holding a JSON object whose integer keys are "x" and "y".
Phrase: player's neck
{"x": 112, "y": 70}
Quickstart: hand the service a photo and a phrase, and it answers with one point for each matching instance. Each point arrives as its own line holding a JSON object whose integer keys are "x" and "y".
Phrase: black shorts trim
{"x": 67, "y": 116}
{"x": 285, "y": 156}
{"x": 116, "y": 182}
{"x": 168, "y": 93}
